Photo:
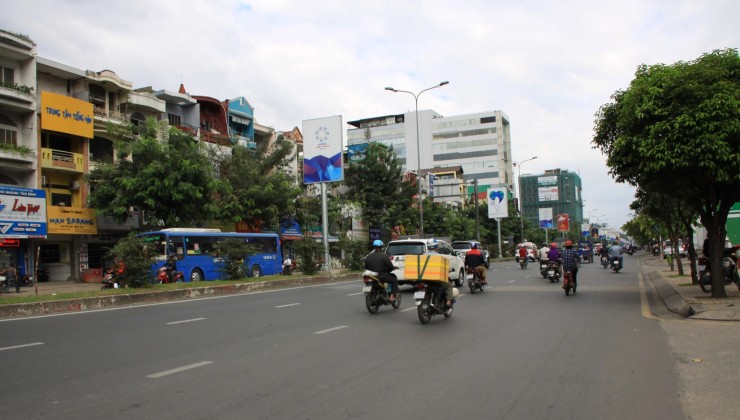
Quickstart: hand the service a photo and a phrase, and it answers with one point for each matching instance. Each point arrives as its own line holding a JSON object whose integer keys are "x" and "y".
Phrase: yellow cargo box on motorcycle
{"x": 426, "y": 267}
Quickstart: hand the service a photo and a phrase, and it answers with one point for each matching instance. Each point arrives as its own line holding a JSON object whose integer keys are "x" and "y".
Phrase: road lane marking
{"x": 184, "y": 321}
{"x": 287, "y": 305}
{"x": 355, "y": 294}
{"x": 177, "y": 370}
{"x": 331, "y": 329}
{"x": 413, "y": 308}
{"x": 20, "y": 346}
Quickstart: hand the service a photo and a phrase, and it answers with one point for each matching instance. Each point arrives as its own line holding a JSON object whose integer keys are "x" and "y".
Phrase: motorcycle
{"x": 431, "y": 300}
{"x": 553, "y": 271}
{"x": 523, "y": 263}
{"x": 729, "y": 272}
{"x": 604, "y": 261}
{"x": 110, "y": 281}
{"x": 543, "y": 269}
{"x": 474, "y": 281}
{"x": 377, "y": 293}
{"x": 615, "y": 264}
{"x": 164, "y": 278}
{"x": 568, "y": 283}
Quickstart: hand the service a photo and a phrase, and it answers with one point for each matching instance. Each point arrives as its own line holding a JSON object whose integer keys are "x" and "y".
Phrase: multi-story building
{"x": 22, "y": 205}
{"x": 555, "y": 189}
{"x": 479, "y": 143}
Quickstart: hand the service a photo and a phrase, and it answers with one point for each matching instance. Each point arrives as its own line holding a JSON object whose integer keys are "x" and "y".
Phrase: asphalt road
{"x": 519, "y": 350}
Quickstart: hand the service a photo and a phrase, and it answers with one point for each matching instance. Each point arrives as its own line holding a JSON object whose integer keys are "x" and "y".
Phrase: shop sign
{"x": 22, "y": 213}
{"x": 72, "y": 220}
{"x": 66, "y": 115}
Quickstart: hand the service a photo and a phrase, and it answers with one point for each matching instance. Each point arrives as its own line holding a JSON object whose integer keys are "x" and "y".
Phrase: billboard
{"x": 322, "y": 150}
{"x": 563, "y": 222}
{"x": 66, "y": 115}
{"x": 547, "y": 193}
{"x": 22, "y": 213}
{"x": 546, "y": 218}
{"x": 498, "y": 205}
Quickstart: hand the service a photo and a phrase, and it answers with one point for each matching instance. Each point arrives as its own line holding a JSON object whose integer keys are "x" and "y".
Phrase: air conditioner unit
{"x": 43, "y": 181}
{"x": 74, "y": 185}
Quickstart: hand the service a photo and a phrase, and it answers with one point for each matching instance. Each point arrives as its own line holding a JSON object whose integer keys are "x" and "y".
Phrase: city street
{"x": 519, "y": 350}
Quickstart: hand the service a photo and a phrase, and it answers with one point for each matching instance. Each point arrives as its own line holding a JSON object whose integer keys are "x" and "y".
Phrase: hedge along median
{"x": 130, "y": 299}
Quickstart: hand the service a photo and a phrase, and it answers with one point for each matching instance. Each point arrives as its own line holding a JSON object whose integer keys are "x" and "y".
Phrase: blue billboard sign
{"x": 22, "y": 213}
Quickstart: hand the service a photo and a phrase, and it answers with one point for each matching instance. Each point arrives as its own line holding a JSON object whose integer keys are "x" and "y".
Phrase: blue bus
{"x": 196, "y": 256}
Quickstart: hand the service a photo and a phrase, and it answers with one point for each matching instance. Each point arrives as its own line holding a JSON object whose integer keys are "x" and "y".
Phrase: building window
{"x": 174, "y": 120}
{"x": 7, "y": 75}
{"x": 49, "y": 254}
{"x": 61, "y": 200}
{"x": 487, "y": 120}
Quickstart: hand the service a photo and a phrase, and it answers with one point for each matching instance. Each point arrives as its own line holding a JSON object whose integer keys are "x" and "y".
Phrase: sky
{"x": 548, "y": 65}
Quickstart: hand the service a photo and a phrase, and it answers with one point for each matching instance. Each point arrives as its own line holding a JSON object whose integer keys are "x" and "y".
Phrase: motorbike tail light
{"x": 367, "y": 279}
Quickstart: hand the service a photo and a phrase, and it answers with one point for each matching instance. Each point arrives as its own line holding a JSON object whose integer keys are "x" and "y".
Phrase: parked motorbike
{"x": 543, "y": 268}
{"x": 431, "y": 300}
{"x": 164, "y": 278}
{"x": 568, "y": 283}
{"x": 615, "y": 264}
{"x": 474, "y": 281}
{"x": 553, "y": 271}
{"x": 729, "y": 272}
{"x": 111, "y": 281}
{"x": 377, "y": 293}
{"x": 605, "y": 261}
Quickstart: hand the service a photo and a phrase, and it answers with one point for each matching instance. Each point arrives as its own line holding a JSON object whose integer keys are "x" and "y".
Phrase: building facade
{"x": 478, "y": 143}
{"x": 558, "y": 190}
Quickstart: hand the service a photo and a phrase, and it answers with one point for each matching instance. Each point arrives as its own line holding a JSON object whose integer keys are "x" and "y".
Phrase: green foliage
{"x": 138, "y": 262}
{"x": 377, "y": 184}
{"x": 172, "y": 181}
{"x": 309, "y": 253}
{"x": 233, "y": 253}
{"x": 20, "y": 149}
{"x": 256, "y": 186}
{"x": 355, "y": 252}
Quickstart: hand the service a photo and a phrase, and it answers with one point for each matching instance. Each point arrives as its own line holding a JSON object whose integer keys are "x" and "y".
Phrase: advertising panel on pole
{"x": 322, "y": 150}
{"x": 22, "y": 213}
{"x": 546, "y": 218}
{"x": 498, "y": 206}
{"x": 585, "y": 228}
{"x": 563, "y": 222}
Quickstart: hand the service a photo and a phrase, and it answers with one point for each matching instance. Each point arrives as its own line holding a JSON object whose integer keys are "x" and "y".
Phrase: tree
{"x": 172, "y": 181}
{"x": 132, "y": 251}
{"x": 255, "y": 186}
{"x": 377, "y": 184}
{"x": 676, "y": 131}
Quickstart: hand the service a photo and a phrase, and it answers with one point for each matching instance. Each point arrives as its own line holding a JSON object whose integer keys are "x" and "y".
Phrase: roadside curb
{"x": 21, "y": 310}
{"x": 670, "y": 296}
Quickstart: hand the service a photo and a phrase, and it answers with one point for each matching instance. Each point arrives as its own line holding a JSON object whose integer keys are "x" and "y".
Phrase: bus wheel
{"x": 256, "y": 271}
{"x": 196, "y": 275}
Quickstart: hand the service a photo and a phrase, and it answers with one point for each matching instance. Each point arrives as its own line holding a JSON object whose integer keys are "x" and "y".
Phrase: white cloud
{"x": 547, "y": 65}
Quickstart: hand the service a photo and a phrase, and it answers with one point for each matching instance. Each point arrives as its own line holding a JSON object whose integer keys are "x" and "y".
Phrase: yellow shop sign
{"x": 66, "y": 115}
{"x": 71, "y": 220}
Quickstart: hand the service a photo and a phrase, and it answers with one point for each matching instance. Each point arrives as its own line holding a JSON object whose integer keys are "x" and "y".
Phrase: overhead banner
{"x": 322, "y": 150}
{"x": 22, "y": 213}
{"x": 547, "y": 193}
{"x": 498, "y": 206}
{"x": 563, "y": 222}
{"x": 546, "y": 218}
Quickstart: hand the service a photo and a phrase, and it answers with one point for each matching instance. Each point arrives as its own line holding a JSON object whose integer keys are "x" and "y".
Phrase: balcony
{"x": 17, "y": 97}
{"x": 146, "y": 102}
{"x": 62, "y": 160}
{"x": 109, "y": 116}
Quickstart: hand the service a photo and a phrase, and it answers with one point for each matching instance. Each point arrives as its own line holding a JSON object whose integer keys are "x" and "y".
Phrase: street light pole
{"x": 418, "y": 148}
{"x": 519, "y": 181}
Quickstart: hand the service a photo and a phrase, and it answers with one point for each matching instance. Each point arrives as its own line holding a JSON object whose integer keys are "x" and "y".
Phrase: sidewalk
{"x": 685, "y": 299}
{"x": 55, "y": 288}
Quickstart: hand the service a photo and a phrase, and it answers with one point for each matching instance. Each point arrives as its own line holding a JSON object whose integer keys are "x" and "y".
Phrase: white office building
{"x": 480, "y": 143}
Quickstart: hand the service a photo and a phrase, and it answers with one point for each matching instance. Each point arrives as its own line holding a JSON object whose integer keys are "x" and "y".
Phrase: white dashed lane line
{"x": 178, "y": 370}
{"x": 184, "y": 321}
{"x": 20, "y": 346}
{"x": 331, "y": 329}
{"x": 287, "y": 305}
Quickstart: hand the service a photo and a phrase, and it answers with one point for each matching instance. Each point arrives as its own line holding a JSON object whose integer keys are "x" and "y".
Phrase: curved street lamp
{"x": 418, "y": 147}
{"x": 519, "y": 181}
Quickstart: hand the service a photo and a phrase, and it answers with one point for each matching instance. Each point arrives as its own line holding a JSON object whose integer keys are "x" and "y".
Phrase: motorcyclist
{"x": 543, "y": 253}
{"x": 523, "y": 255}
{"x": 170, "y": 266}
{"x": 604, "y": 252}
{"x": 378, "y": 262}
{"x": 474, "y": 260}
{"x": 616, "y": 251}
{"x": 570, "y": 261}
{"x": 554, "y": 255}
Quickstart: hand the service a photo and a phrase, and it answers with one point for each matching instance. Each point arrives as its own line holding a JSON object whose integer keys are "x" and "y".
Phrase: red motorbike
{"x": 568, "y": 283}
{"x": 164, "y": 278}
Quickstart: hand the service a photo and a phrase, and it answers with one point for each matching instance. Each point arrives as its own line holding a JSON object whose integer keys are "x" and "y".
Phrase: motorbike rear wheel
{"x": 424, "y": 312}
{"x": 397, "y": 303}
{"x": 705, "y": 282}
{"x": 371, "y": 302}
